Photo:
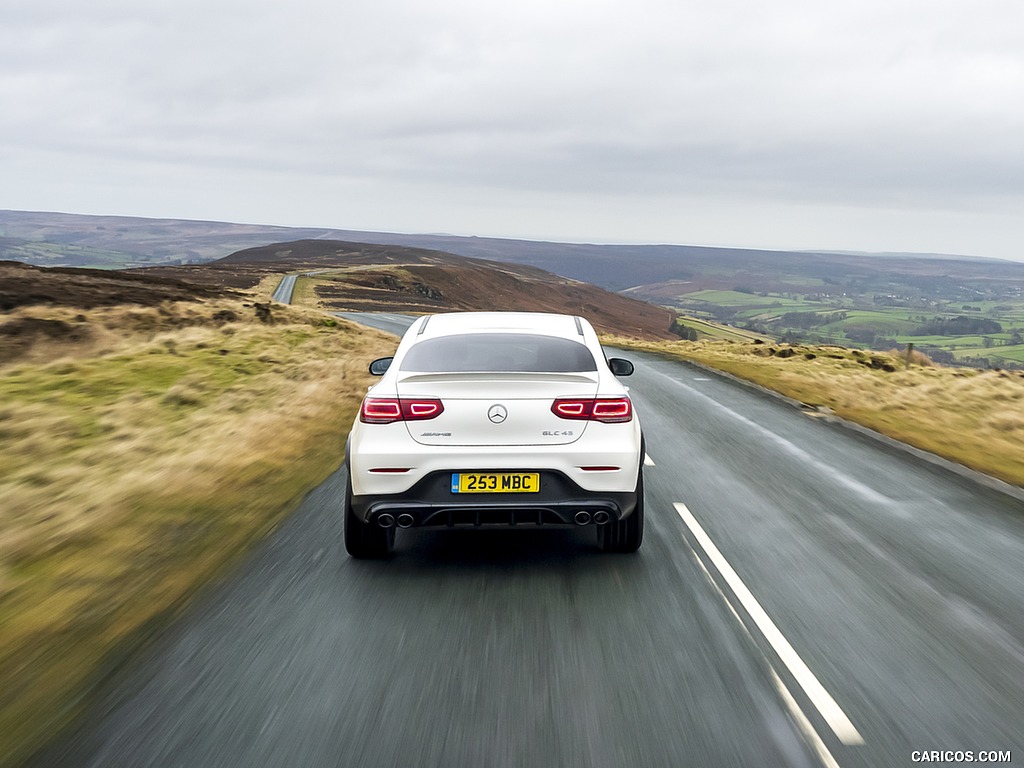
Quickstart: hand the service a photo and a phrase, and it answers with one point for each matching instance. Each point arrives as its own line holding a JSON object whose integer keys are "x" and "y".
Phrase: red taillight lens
{"x": 386, "y": 410}
{"x": 613, "y": 410}
{"x": 417, "y": 410}
{"x": 610, "y": 410}
{"x": 572, "y": 409}
{"x": 380, "y": 410}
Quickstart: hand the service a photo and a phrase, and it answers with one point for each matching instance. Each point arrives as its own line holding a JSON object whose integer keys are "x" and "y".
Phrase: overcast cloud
{"x": 875, "y": 125}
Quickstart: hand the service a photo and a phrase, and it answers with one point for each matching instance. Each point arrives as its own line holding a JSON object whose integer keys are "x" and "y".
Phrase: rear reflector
{"x": 610, "y": 410}
{"x": 389, "y": 470}
{"x": 599, "y": 469}
{"x": 387, "y": 410}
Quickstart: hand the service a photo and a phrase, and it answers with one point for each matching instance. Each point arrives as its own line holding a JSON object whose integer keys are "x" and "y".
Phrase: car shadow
{"x": 562, "y": 553}
{"x": 495, "y": 548}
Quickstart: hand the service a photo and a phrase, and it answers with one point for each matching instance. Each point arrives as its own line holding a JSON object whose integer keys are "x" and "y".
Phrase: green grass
{"x": 933, "y": 341}
{"x": 886, "y": 316}
{"x": 955, "y": 342}
{"x": 881, "y": 322}
{"x": 1012, "y": 353}
{"x": 726, "y": 298}
{"x": 972, "y": 348}
{"x": 747, "y": 300}
{"x": 895, "y": 323}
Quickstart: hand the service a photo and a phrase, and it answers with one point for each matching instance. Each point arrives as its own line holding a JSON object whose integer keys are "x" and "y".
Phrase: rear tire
{"x": 626, "y": 535}
{"x": 363, "y": 540}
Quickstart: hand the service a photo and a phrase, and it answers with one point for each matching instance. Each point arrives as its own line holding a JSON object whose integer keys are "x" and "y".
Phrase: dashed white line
{"x": 819, "y": 697}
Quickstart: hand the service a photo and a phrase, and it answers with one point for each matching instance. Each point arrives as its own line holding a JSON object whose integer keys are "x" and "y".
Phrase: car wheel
{"x": 362, "y": 540}
{"x": 627, "y": 535}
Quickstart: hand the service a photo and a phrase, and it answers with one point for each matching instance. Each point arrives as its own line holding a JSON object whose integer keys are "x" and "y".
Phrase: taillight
{"x": 379, "y": 410}
{"x": 387, "y": 410}
{"x": 416, "y": 410}
{"x": 610, "y": 410}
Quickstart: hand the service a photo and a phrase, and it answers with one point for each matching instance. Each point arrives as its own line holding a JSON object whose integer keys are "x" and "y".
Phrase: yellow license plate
{"x": 496, "y": 482}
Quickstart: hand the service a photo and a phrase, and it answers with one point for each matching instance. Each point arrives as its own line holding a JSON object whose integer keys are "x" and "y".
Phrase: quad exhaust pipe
{"x": 582, "y": 517}
{"x": 386, "y": 521}
{"x": 601, "y": 517}
{"x": 405, "y": 520}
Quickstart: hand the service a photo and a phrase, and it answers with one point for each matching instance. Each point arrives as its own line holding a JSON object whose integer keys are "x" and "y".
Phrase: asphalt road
{"x": 283, "y": 292}
{"x": 804, "y": 597}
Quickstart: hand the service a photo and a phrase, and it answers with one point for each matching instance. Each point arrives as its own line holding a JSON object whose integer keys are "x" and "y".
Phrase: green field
{"x": 956, "y": 342}
{"x": 749, "y": 300}
{"x": 1004, "y": 354}
{"x": 711, "y": 330}
{"x": 888, "y": 323}
{"x": 876, "y": 321}
{"x": 726, "y": 298}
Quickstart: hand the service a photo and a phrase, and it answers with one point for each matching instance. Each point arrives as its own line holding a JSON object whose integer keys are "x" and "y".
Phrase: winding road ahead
{"x": 805, "y": 596}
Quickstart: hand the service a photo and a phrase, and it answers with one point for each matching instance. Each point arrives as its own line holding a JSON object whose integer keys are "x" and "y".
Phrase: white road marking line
{"x": 805, "y": 725}
{"x": 702, "y": 378}
{"x": 822, "y": 700}
{"x": 856, "y": 486}
{"x": 648, "y": 462}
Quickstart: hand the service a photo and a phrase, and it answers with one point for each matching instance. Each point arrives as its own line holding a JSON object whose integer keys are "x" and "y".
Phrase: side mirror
{"x": 620, "y": 367}
{"x": 380, "y": 366}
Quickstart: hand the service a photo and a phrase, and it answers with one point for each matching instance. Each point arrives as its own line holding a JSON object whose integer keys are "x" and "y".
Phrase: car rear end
{"x": 495, "y": 419}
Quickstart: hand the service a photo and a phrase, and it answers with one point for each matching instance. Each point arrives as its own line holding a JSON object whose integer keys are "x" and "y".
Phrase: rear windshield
{"x": 494, "y": 352}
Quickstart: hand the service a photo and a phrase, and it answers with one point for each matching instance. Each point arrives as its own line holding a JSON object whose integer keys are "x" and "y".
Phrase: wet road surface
{"x": 804, "y": 597}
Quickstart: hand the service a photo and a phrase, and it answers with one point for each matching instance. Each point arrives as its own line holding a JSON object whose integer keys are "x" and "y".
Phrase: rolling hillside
{"x": 55, "y": 239}
{"x": 877, "y": 301}
{"x": 367, "y": 277}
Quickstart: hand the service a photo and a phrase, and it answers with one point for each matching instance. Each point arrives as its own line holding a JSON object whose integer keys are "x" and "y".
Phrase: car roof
{"x": 549, "y": 324}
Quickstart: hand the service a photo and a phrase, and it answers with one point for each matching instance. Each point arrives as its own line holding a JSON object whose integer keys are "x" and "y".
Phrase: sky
{"x": 875, "y": 125}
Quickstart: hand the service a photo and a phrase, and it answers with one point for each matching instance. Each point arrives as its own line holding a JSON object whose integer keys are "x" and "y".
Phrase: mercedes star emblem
{"x": 497, "y": 413}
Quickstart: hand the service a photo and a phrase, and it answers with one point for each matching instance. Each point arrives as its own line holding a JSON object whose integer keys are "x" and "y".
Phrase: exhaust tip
{"x": 405, "y": 520}
{"x": 385, "y": 520}
{"x": 582, "y": 517}
{"x": 601, "y": 518}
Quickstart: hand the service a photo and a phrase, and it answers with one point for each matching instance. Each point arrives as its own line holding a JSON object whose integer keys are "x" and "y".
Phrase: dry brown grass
{"x": 911, "y": 357}
{"x": 304, "y": 294}
{"x": 137, "y": 462}
{"x": 975, "y": 418}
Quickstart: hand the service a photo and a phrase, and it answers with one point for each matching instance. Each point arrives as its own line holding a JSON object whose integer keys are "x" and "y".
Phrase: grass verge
{"x": 140, "y": 460}
{"x": 972, "y": 417}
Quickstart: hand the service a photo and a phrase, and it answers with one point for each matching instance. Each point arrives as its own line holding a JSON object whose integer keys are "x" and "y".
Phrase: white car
{"x": 495, "y": 420}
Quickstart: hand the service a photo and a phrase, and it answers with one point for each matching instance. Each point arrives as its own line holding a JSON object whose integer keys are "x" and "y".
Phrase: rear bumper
{"x": 386, "y": 461}
{"x": 430, "y": 503}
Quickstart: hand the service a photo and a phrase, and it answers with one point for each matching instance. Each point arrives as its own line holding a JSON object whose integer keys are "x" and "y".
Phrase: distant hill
{"x": 349, "y": 276}
{"x": 371, "y": 277}
{"x": 655, "y": 272}
{"x": 114, "y": 242}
